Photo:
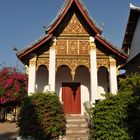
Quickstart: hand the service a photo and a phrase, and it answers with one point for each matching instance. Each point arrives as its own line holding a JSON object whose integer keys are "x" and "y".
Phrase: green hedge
{"x": 118, "y": 116}
{"x": 42, "y": 117}
{"x": 130, "y": 83}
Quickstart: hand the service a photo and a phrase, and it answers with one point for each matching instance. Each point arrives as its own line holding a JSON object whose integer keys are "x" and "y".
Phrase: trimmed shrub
{"x": 42, "y": 117}
{"x": 117, "y": 117}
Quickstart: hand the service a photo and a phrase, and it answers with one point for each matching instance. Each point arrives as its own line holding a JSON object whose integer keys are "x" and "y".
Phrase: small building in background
{"x": 131, "y": 42}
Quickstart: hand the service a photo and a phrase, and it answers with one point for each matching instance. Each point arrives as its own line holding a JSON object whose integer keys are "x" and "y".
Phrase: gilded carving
{"x": 43, "y": 61}
{"x": 72, "y": 63}
{"x": 44, "y": 54}
{"x": 61, "y": 46}
{"x": 32, "y": 61}
{"x": 84, "y": 47}
{"x": 74, "y": 26}
{"x": 93, "y": 46}
{"x": 112, "y": 61}
{"x": 73, "y": 74}
{"x": 103, "y": 62}
{"x": 72, "y": 47}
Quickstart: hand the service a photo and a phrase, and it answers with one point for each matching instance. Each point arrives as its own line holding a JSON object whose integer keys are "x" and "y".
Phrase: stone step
{"x": 77, "y": 131}
{"x": 76, "y": 137}
{"x": 78, "y": 125}
{"x": 75, "y": 116}
{"x": 71, "y": 119}
{"x": 76, "y": 128}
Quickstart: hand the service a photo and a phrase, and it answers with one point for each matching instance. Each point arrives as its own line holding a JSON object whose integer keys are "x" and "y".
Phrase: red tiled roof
{"x": 59, "y": 20}
{"x": 82, "y": 11}
{"x": 28, "y": 50}
{"x": 111, "y": 47}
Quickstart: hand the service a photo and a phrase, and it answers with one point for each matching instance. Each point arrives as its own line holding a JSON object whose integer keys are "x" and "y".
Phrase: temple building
{"x": 131, "y": 42}
{"x": 73, "y": 59}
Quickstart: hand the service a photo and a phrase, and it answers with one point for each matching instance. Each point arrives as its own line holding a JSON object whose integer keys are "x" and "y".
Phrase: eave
{"x": 29, "y": 50}
{"x": 111, "y": 48}
{"x": 131, "y": 61}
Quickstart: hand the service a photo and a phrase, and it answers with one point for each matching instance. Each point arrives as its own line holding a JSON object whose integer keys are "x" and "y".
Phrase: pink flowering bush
{"x": 13, "y": 86}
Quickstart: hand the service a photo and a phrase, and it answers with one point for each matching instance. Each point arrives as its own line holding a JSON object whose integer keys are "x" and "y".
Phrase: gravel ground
{"x": 8, "y": 131}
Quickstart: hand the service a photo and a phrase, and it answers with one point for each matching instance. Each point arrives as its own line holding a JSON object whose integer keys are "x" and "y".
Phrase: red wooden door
{"x": 71, "y": 98}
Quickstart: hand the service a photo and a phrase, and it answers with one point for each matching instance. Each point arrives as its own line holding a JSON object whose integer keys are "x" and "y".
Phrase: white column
{"x": 52, "y": 63}
{"x": 32, "y": 75}
{"x": 93, "y": 71}
{"x": 113, "y": 76}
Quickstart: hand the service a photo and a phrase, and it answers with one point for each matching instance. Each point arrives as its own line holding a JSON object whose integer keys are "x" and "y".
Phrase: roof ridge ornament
{"x": 64, "y": 9}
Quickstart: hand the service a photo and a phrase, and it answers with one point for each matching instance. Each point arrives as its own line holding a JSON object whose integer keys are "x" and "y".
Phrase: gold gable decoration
{"x": 61, "y": 46}
{"x": 74, "y": 26}
{"x": 73, "y": 63}
{"x": 84, "y": 47}
{"x": 72, "y": 47}
{"x": 103, "y": 62}
{"x": 43, "y": 61}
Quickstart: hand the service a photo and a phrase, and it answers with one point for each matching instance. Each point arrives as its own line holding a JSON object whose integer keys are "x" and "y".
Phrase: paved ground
{"x": 8, "y": 131}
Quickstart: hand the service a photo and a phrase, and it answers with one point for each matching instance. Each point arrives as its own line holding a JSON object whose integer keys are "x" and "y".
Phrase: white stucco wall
{"x": 41, "y": 79}
{"x": 52, "y": 62}
{"x": 31, "y": 79}
{"x": 103, "y": 84}
{"x": 82, "y": 76}
{"x": 135, "y": 46}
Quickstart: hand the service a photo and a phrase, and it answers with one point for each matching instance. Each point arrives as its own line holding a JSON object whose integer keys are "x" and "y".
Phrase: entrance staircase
{"x": 76, "y": 128}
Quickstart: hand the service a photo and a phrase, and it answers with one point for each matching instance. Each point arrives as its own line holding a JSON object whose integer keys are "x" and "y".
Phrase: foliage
{"x": 117, "y": 117}
{"x": 130, "y": 83}
{"x": 42, "y": 117}
{"x": 13, "y": 86}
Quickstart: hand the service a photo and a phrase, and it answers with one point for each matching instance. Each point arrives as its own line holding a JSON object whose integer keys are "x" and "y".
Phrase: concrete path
{"x": 8, "y": 131}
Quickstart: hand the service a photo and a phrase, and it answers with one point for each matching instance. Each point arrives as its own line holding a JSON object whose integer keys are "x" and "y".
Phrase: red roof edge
{"x": 21, "y": 54}
{"x": 65, "y": 10}
{"x": 111, "y": 48}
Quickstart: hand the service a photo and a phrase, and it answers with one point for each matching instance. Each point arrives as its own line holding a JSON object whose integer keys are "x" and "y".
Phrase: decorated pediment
{"x": 74, "y": 26}
{"x": 72, "y": 29}
{"x": 72, "y": 43}
{"x": 72, "y": 47}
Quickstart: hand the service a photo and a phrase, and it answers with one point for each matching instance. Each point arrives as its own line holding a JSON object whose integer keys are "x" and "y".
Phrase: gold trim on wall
{"x": 32, "y": 61}
{"x": 103, "y": 62}
{"x": 112, "y": 61}
{"x": 74, "y": 26}
{"x": 43, "y": 61}
{"x": 73, "y": 63}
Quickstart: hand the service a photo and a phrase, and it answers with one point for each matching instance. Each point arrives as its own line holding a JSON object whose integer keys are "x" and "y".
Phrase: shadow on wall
{"x": 103, "y": 81}
{"x": 41, "y": 78}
